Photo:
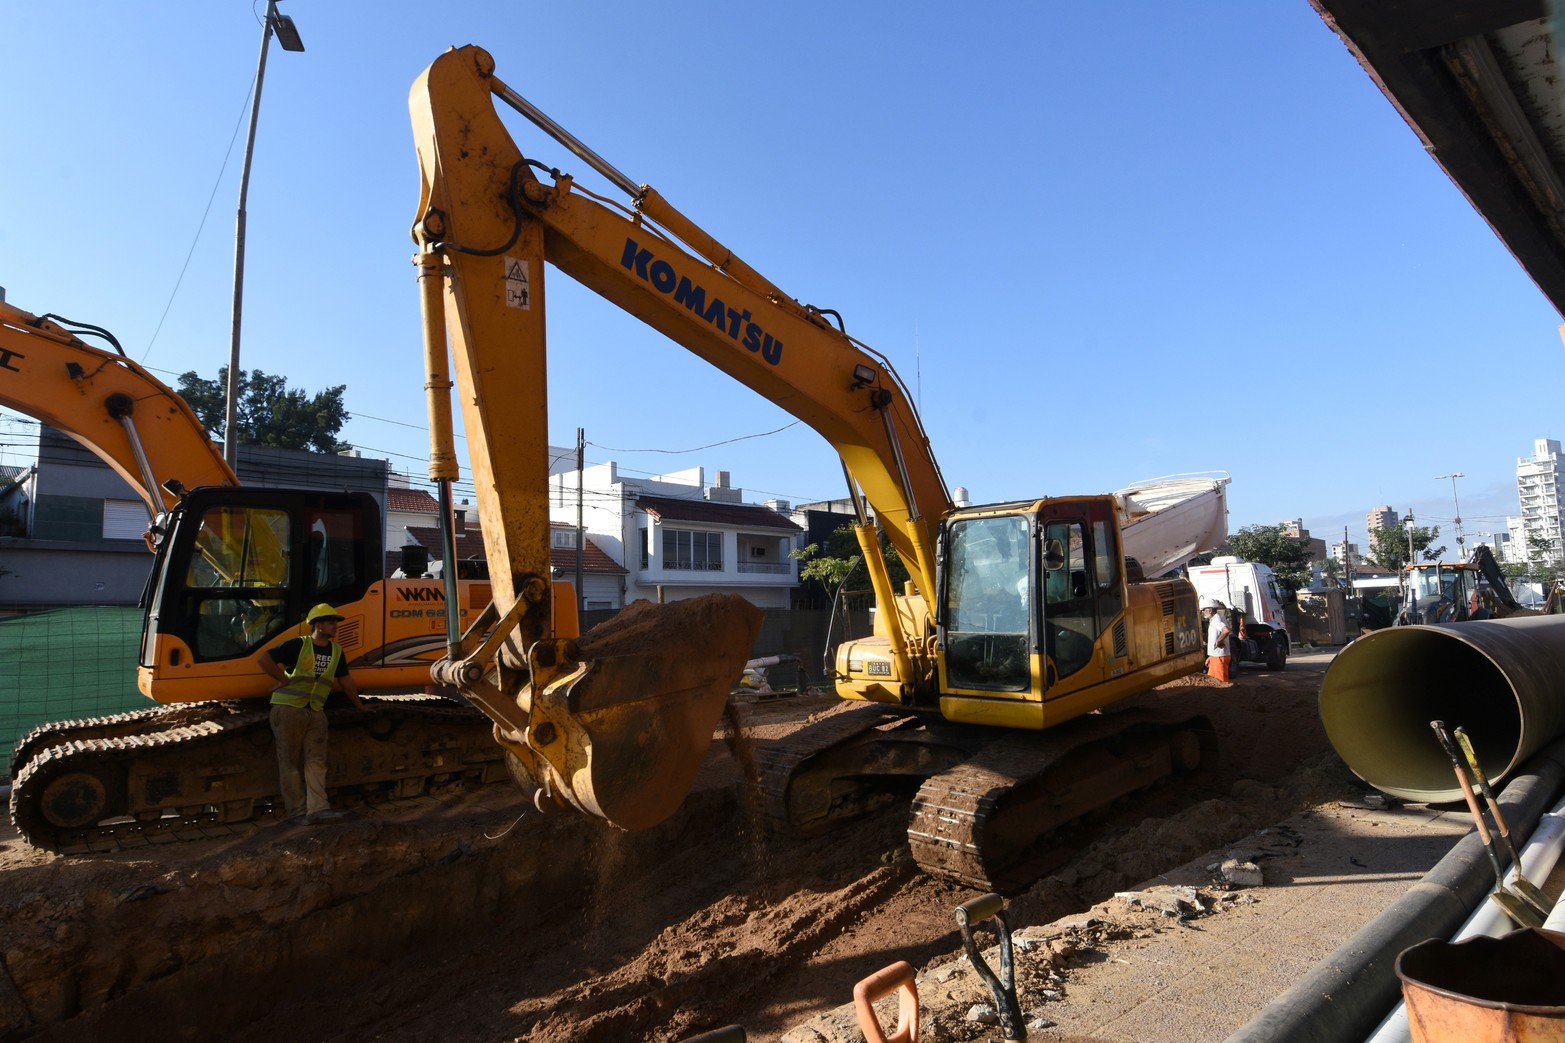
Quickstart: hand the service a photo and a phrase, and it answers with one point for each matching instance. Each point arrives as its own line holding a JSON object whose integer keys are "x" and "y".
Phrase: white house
{"x": 679, "y": 537}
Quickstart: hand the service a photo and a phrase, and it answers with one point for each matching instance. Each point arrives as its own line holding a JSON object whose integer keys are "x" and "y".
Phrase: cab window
{"x": 237, "y": 579}
{"x": 988, "y": 570}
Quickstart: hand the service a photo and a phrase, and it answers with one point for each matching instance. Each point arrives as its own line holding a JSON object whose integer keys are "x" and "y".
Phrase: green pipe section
{"x": 1502, "y": 680}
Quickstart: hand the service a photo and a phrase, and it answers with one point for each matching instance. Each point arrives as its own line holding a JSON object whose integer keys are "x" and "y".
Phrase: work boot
{"x": 325, "y": 815}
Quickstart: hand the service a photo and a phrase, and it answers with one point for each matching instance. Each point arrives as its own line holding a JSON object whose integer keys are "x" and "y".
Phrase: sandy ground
{"x": 472, "y": 918}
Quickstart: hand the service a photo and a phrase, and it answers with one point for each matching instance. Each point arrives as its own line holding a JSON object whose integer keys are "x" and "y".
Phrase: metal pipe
{"x": 121, "y": 408}
{"x": 1498, "y": 679}
{"x": 443, "y": 469}
{"x": 564, "y": 137}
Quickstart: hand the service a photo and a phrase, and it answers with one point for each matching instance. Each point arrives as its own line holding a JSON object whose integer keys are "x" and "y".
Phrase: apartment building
{"x": 1381, "y": 517}
{"x": 1539, "y": 488}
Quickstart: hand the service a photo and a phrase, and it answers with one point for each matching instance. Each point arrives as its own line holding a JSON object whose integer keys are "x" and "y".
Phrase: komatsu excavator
{"x": 1021, "y": 617}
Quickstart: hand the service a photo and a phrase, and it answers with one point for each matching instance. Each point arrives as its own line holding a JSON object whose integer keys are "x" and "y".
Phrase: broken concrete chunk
{"x": 1235, "y": 873}
{"x": 1170, "y": 901}
{"x": 982, "y": 1014}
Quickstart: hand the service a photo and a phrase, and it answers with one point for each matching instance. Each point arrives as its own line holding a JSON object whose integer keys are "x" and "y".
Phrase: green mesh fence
{"x": 66, "y": 664}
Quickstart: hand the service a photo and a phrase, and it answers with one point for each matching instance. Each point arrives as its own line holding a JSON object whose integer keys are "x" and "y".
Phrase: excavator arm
{"x": 495, "y": 224}
{"x": 104, "y": 400}
{"x": 615, "y": 725}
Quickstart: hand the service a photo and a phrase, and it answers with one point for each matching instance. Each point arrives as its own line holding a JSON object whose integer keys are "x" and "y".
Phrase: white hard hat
{"x": 1212, "y": 603}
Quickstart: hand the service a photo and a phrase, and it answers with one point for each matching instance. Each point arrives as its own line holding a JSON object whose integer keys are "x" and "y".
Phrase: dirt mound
{"x": 473, "y": 918}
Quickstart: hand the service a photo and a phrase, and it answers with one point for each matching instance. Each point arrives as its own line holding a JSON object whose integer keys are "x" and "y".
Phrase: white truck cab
{"x": 1254, "y": 600}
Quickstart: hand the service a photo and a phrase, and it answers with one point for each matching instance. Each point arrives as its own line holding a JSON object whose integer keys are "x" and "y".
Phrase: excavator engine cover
{"x": 622, "y": 735}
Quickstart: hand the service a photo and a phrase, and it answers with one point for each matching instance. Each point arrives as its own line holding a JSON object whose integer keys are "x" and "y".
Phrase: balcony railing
{"x": 767, "y": 568}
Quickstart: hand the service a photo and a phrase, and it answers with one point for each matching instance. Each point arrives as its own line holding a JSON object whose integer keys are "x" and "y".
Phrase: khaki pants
{"x": 300, "y": 733}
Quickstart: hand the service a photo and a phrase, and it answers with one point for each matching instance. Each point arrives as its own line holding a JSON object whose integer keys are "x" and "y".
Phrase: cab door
{"x": 1083, "y": 591}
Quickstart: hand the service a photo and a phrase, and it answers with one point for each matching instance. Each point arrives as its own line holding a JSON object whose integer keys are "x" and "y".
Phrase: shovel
{"x": 1512, "y": 904}
{"x": 1533, "y": 896}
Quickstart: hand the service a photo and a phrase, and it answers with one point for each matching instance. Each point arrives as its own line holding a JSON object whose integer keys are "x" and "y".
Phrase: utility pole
{"x": 1458, "y": 506}
{"x": 581, "y": 535}
{"x": 288, "y": 38}
{"x": 1347, "y": 562}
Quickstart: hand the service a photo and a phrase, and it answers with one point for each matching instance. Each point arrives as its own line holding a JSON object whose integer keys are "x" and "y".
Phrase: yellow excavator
{"x": 1021, "y": 617}
{"x": 234, "y": 570}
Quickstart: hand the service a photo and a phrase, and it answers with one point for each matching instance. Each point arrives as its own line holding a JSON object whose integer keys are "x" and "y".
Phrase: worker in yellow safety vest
{"x": 306, "y": 671}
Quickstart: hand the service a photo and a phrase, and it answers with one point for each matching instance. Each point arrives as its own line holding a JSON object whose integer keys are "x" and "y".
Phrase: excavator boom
{"x": 616, "y": 726}
{"x": 104, "y": 400}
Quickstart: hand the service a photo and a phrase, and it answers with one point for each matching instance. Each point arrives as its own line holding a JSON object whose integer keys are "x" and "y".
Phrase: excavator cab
{"x": 1028, "y": 590}
{"x": 1438, "y": 592}
{"x": 236, "y": 568}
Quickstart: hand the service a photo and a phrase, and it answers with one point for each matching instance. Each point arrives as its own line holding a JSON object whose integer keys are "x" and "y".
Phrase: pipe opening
{"x": 1381, "y": 692}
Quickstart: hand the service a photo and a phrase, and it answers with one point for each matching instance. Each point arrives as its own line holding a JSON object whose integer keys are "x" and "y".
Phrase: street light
{"x": 288, "y": 39}
{"x": 1458, "y": 506}
{"x": 1408, "y": 523}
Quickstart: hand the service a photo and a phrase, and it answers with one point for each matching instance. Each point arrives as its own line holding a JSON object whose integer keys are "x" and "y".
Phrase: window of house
{"x": 565, "y": 538}
{"x": 697, "y": 551}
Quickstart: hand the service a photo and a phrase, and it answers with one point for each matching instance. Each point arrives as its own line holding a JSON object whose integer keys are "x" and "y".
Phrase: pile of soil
{"x": 474, "y": 918}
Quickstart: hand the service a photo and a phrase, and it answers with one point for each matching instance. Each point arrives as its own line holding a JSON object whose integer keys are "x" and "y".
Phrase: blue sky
{"x": 1101, "y": 249}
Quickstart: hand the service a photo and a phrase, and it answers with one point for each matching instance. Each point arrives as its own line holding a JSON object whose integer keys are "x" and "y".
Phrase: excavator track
{"x": 134, "y": 722}
{"x": 199, "y": 771}
{"x": 986, "y": 821}
{"x": 844, "y": 765}
{"x": 987, "y": 799}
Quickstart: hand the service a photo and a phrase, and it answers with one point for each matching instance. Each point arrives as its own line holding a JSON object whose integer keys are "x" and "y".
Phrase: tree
{"x": 841, "y": 556}
{"x": 1388, "y": 546}
{"x": 1543, "y": 558}
{"x": 1269, "y": 545}
{"x": 10, "y": 522}
{"x": 1332, "y": 570}
{"x": 269, "y": 412}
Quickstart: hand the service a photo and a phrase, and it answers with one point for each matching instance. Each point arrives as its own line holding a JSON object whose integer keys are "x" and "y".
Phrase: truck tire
{"x": 1277, "y": 652}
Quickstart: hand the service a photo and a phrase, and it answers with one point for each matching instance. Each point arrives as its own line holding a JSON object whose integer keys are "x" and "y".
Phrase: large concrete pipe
{"x": 1503, "y": 680}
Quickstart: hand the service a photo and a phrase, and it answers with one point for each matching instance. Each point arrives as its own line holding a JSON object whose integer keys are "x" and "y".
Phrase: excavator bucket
{"x": 623, "y": 734}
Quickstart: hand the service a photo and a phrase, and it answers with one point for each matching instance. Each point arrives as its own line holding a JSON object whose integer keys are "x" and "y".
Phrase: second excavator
{"x": 990, "y": 682}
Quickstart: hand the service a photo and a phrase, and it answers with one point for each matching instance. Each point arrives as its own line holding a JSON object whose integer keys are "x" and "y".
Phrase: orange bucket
{"x": 1508, "y": 990}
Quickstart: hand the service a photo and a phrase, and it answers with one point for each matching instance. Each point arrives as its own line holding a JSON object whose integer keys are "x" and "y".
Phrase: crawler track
{"x": 165, "y": 776}
{"x": 986, "y": 822}
{"x": 986, "y": 800}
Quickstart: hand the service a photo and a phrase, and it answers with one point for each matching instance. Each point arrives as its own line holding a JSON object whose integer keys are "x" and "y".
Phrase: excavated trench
{"x": 471, "y": 918}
